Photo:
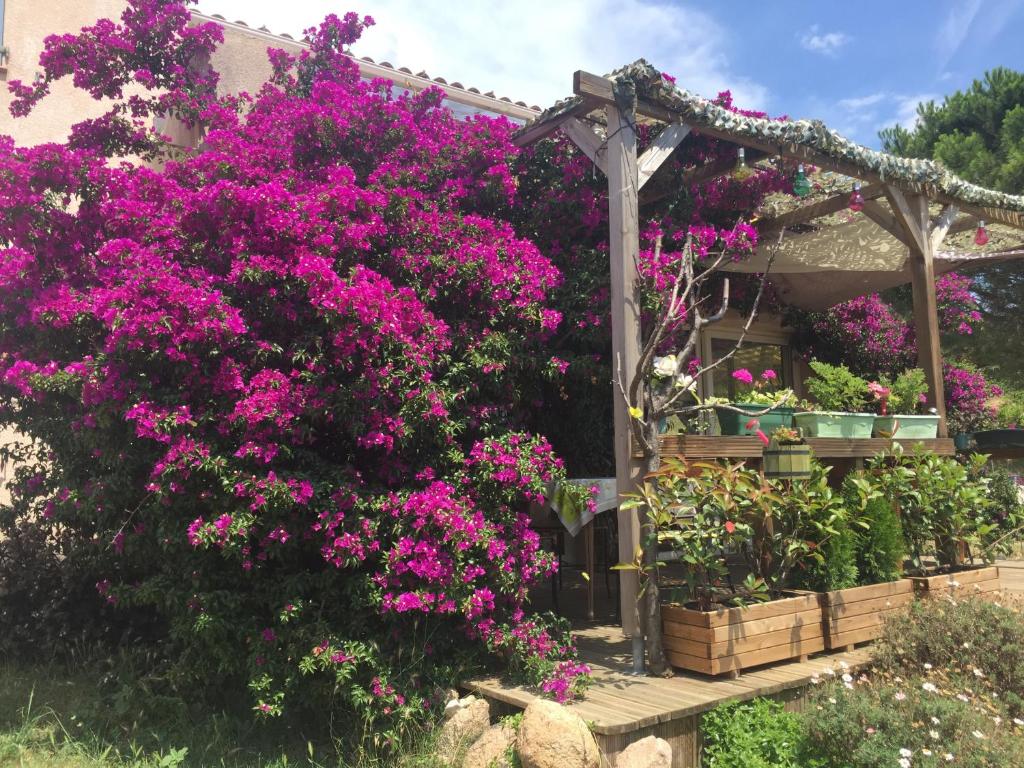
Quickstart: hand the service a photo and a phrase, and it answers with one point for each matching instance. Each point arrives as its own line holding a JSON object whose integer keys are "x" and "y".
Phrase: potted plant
{"x": 944, "y": 508}
{"x": 719, "y": 621}
{"x": 758, "y": 406}
{"x": 839, "y": 404}
{"x": 787, "y": 456}
{"x": 864, "y": 563}
{"x": 900, "y": 407}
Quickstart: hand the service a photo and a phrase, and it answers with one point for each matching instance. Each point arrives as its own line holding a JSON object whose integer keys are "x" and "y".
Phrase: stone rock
{"x": 552, "y": 736}
{"x": 649, "y": 752}
{"x": 492, "y": 749}
{"x": 463, "y": 725}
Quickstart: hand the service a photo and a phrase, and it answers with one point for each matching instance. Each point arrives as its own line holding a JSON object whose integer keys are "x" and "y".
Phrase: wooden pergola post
{"x": 624, "y": 251}
{"x": 911, "y": 211}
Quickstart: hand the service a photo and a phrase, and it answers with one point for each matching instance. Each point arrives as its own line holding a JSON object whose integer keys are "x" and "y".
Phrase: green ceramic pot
{"x": 732, "y": 423}
{"x": 905, "y": 427}
{"x": 852, "y": 426}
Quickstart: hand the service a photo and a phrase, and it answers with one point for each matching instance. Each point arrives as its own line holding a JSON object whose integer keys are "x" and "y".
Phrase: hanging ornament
{"x": 742, "y": 171}
{"x": 856, "y": 198}
{"x": 981, "y": 236}
{"x": 801, "y": 186}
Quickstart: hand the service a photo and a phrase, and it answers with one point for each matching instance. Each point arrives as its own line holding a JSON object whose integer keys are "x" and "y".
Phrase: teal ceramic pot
{"x": 852, "y": 426}
{"x": 962, "y": 442}
{"x": 732, "y": 423}
{"x": 905, "y": 427}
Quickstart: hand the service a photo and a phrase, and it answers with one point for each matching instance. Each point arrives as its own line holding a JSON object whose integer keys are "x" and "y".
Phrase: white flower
{"x": 926, "y": 752}
{"x": 927, "y": 665}
{"x": 904, "y": 762}
{"x": 949, "y": 757}
{"x": 830, "y": 671}
{"x": 899, "y": 696}
{"x": 831, "y": 700}
{"x": 686, "y": 382}
{"x": 967, "y": 645}
{"x": 935, "y": 721}
{"x": 898, "y": 679}
{"x": 815, "y": 679}
{"x": 934, "y": 734}
{"x": 904, "y": 752}
{"x": 930, "y": 687}
{"x": 843, "y": 665}
{"x": 848, "y": 685}
{"x": 978, "y": 734}
{"x": 998, "y": 720}
{"x": 665, "y": 366}
{"x": 962, "y": 697}
{"x": 1018, "y": 721}
{"x": 847, "y": 678}
{"x": 978, "y": 672}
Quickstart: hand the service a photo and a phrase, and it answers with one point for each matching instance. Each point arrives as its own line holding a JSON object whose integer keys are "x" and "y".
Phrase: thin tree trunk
{"x": 650, "y": 612}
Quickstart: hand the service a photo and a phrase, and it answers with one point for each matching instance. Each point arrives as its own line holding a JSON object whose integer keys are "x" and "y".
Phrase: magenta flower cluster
{"x": 271, "y": 375}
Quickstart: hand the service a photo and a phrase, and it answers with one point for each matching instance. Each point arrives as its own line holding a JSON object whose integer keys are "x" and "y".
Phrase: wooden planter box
{"x": 982, "y": 582}
{"x": 855, "y": 615}
{"x": 733, "y": 639}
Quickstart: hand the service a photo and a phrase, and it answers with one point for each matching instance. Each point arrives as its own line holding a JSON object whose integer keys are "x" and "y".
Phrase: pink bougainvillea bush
{"x": 274, "y": 385}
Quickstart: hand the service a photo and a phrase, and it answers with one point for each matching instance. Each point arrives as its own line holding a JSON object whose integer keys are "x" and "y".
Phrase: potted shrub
{"x": 945, "y": 511}
{"x": 854, "y": 612}
{"x": 720, "y": 622}
{"x": 758, "y": 406}
{"x": 839, "y": 404}
{"x": 901, "y": 407}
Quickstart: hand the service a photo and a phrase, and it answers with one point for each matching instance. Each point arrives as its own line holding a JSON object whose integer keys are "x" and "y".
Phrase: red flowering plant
{"x": 274, "y": 386}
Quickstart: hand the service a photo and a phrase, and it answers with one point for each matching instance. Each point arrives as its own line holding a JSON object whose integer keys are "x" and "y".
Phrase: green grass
{"x": 53, "y": 717}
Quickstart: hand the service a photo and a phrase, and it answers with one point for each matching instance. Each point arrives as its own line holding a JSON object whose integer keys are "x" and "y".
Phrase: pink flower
{"x": 769, "y": 375}
{"x": 743, "y": 376}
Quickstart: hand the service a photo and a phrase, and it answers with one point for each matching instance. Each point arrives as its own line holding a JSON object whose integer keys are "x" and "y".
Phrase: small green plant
{"x": 880, "y": 550}
{"x": 836, "y": 388}
{"x": 752, "y": 734}
{"x": 907, "y": 392}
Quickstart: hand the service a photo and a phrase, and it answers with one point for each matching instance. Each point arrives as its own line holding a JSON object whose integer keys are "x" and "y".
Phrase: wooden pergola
{"x": 601, "y": 120}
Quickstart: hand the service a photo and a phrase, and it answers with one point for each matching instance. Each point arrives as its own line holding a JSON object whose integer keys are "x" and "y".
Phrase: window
{"x": 756, "y": 357}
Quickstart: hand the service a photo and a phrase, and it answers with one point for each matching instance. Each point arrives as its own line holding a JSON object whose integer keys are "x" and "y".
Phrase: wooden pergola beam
{"x": 656, "y": 154}
{"x": 908, "y": 217}
{"x": 538, "y": 131}
{"x": 874, "y": 211}
{"x": 806, "y": 213}
{"x": 941, "y": 226}
{"x": 588, "y": 142}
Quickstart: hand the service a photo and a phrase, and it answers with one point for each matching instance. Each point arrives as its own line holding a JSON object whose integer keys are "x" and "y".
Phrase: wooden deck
{"x": 622, "y": 708}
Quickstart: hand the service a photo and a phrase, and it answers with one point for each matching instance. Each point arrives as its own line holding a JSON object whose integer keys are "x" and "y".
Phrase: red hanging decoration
{"x": 981, "y": 236}
{"x": 856, "y": 198}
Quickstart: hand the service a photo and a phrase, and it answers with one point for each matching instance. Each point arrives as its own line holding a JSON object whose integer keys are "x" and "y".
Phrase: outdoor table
{"x": 576, "y": 518}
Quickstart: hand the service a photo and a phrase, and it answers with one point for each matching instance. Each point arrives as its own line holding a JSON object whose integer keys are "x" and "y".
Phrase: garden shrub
{"x": 879, "y": 547}
{"x": 835, "y": 388}
{"x": 962, "y": 635}
{"x": 275, "y": 388}
{"x": 928, "y": 719}
{"x": 759, "y": 733}
{"x": 838, "y": 569}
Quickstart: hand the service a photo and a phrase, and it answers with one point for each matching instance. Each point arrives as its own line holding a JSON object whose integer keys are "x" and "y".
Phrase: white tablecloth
{"x": 570, "y": 513}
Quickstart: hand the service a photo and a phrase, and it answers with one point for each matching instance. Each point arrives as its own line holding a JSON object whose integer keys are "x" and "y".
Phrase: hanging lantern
{"x": 801, "y": 186}
{"x": 856, "y": 198}
{"x": 981, "y": 236}
{"x": 742, "y": 170}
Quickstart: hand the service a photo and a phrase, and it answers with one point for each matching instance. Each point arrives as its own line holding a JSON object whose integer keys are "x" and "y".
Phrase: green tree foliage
{"x": 978, "y": 133}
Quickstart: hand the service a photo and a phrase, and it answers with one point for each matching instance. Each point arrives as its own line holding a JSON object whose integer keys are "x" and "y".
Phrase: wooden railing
{"x": 721, "y": 447}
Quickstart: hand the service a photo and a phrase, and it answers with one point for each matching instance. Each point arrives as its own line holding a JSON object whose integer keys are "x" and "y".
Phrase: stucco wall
{"x": 26, "y": 24}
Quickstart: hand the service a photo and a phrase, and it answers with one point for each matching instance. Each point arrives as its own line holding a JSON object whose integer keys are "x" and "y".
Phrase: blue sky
{"x": 857, "y": 66}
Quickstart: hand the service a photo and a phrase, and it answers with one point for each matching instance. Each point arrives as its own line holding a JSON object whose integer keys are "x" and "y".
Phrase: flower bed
{"x": 855, "y": 615}
{"x": 729, "y": 640}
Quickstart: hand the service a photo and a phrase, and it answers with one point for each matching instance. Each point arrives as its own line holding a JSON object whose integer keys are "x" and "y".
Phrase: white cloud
{"x": 861, "y": 117}
{"x": 528, "y": 50}
{"x": 954, "y": 29}
{"x": 825, "y": 43}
